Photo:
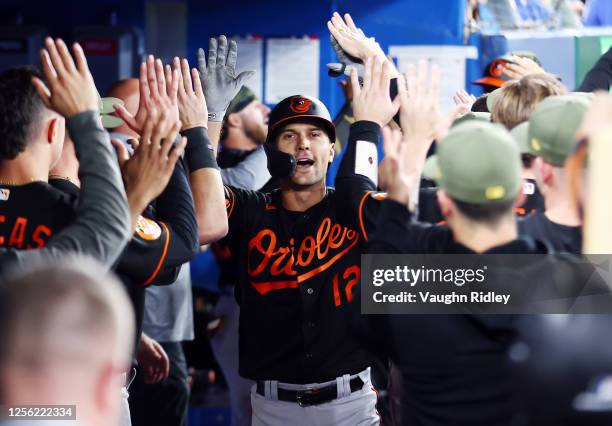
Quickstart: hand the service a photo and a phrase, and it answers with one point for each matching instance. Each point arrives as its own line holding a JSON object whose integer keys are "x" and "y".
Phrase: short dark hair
{"x": 487, "y": 213}
{"x": 481, "y": 104}
{"x": 20, "y": 110}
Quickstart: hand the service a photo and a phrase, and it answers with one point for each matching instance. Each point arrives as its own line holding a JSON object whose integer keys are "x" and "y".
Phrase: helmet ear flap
{"x": 280, "y": 164}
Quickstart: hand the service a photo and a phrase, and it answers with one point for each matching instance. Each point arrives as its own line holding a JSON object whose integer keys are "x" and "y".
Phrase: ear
{"x": 446, "y": 204}
{"x": 545, "y": 171}
{"x": 52, "y": 129}
{"x": 332, "y": 151}
{"x": 234, "y": 120}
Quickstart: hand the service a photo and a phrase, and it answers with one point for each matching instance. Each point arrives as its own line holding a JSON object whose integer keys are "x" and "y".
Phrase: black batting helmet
{"x": 300, "y": 108}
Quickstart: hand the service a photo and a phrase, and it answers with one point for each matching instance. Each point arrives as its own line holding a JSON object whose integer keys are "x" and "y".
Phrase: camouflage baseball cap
{"x": 553, "y": 125}
{"x": 478, "y": 163}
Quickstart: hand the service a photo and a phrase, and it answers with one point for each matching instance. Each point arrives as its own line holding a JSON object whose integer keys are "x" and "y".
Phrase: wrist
{"x": 216, "y": 116}
{"x": 187, "y": 126}
{"x": 399, "y": 194}
{"x": 137, "y": 200}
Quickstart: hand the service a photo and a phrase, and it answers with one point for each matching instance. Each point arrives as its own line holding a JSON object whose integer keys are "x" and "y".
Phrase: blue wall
{"x": 390, "y": 21}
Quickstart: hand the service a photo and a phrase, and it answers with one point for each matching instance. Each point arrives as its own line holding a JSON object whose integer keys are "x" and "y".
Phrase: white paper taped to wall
{"x": 250, "y": 58}
{"x": 292, "y": 68}
{"x": 450, "y": 59}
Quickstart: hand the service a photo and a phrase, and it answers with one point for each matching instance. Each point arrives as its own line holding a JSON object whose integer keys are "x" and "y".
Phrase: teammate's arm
{"x": 101, "y": 228}
{"x": 200, "y": 156}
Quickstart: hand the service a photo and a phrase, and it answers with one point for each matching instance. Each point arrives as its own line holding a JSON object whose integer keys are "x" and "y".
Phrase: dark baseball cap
{"x": 494, "y": 74}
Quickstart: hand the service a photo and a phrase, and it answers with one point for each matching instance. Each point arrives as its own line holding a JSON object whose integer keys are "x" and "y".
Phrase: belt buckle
{"x": 305, "y": 398}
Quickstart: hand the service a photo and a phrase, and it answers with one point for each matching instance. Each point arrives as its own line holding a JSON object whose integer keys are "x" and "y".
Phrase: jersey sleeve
{"x": 164, "y": 239}
{"x": 242, "y": 206}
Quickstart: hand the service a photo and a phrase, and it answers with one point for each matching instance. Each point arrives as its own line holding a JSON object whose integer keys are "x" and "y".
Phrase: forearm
{"x": 175, "y": 208}
{"x": 206, "y": 186}
{"x": 214, "y": 134}
{"x": 360, "y": 150}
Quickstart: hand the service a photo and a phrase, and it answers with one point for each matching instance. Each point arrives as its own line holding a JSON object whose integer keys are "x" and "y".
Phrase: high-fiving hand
{"x": 155, "y": 94}
{"x": 219, "y": 80}
{"x": 71, "y": 87}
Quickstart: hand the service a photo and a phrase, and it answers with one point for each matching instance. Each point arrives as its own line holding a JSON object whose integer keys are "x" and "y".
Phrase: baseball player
{"x": 298, "y": 250}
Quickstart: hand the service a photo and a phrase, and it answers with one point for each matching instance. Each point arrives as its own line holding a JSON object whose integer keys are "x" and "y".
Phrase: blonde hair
{"x": 518, "y": 98}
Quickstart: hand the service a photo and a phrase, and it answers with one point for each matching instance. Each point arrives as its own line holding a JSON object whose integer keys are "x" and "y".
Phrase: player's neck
{"x": 28, "y": 167}
{"x": 480, "y": 238}
{"x": 560, "y": 209}
{"x": 299, "y": 199}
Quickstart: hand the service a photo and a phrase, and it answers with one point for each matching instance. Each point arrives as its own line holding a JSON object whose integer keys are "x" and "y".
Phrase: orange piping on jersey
{"x": 162, "y": 258}
{"x": 363, "y": 231}
{"x": 263, "y": 288}
{"x": 327, "y": 264}
{"x": 231, "y": 207}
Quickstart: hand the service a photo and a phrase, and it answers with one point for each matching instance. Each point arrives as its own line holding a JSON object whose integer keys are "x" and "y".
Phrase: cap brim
{"x": 490, "y": 81}
{"x": 107, "y": 105}
{"x": 110, "y": 121}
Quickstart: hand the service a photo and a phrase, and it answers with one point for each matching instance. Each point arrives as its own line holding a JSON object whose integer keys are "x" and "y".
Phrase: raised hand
{"x": 372, "y": 101}
{"x": 520, "y": 67}
{"x": 155, "y": 94}
{"x": 352, "y": 40}
{"x": 219, "y": 80}
{"x": 193, "y": 111}
{"x": 147, "y": 172}
{"x": 71, "y": 87}
{"x": 464, "y": 100}
{"x": 419, "y": 112}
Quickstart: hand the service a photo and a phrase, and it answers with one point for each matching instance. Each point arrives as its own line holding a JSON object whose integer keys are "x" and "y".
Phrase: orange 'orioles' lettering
{"x": 2, "y": 220}
{"x": 263, "y": 250}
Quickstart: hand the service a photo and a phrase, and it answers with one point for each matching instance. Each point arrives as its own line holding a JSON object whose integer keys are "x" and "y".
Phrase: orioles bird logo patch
{"x": 147, "y": 229}
{"x": 299, "y": 104}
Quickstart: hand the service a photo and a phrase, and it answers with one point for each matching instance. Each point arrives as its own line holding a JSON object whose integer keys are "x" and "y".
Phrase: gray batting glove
{"x": 219, "y": 80}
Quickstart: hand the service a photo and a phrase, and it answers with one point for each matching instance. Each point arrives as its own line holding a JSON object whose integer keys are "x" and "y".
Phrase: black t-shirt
{"x": 561, "y": 237}
{"x": 534, "y": 201}
{"x": 454, "y": 367}
{"x": 30, "y": 214}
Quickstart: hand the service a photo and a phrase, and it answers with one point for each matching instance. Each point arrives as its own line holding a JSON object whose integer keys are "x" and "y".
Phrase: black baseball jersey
{"x": 561, "y": 237}
{"x": 30, "y": 214}
{"x": 297, "y": 277}
{"x": 534, "y": 201}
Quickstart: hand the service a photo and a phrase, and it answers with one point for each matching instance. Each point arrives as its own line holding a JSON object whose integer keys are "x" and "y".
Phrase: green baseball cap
{"x": 431, "y": 170}
{"x": 520, "y": 135}
{"x": 481, "y": 116}
{"x": 479, "y": 163}
{"x": 492, "y": 98}
{"x": 553, "y": 125}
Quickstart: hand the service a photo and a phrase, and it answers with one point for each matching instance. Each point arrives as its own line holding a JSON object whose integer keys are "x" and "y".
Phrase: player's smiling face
{"x": 312, "y": 149}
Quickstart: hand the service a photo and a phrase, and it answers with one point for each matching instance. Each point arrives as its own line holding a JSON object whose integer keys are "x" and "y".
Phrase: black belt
{"x": 311, "y": 396}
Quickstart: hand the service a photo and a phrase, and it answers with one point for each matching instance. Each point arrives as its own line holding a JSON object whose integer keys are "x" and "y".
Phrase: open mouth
{"x": 304, "y": 163}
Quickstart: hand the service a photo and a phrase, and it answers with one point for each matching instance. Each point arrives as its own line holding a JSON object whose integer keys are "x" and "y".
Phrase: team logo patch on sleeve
{"x": 4, "y": 194}
{"x": 147, "y": 229}
{"x": 366, "y": 160}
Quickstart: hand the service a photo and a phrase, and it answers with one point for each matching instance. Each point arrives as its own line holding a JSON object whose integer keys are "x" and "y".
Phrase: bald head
{"x": 127, "y": 91}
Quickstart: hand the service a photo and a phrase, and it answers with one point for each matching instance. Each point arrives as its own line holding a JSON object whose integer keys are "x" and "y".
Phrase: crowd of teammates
{"x": 505, "y": 173}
